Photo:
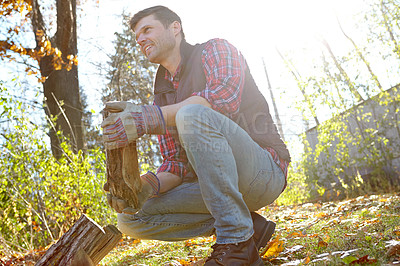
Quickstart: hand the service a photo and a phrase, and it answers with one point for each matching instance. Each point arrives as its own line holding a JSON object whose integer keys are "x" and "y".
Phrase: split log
{"x": 84, "y": 244}
{"x": 123, "y": 176}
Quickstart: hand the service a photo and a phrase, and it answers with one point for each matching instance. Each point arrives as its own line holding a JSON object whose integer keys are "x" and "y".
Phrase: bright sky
{"x": 255, "y": 27}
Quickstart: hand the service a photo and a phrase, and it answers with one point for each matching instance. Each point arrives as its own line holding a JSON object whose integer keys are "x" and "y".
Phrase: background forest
{"x": 52, "y": 162}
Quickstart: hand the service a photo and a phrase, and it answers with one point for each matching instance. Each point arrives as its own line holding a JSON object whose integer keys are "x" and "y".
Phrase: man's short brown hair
{"x": 163, "y": 14}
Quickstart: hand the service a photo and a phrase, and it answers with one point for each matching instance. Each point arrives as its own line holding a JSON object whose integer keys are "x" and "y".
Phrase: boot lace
{"x": 219, "y": 250}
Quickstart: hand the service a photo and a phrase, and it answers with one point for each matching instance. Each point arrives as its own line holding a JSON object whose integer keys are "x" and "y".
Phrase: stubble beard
{"x": 162, "y": 50}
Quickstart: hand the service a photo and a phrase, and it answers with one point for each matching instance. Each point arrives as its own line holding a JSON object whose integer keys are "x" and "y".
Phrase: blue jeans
{"x": 235, "y": 176}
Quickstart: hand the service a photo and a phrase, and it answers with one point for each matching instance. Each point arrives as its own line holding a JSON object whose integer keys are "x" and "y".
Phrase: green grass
{"x": 331, "y": 233}
{"x": 338, "y": 233}
{"x": 131, "y": 252}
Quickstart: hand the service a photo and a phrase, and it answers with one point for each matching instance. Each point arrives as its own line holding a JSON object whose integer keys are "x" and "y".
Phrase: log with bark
{"x": 123, "y": 176}
{"x": 84, "y": 244}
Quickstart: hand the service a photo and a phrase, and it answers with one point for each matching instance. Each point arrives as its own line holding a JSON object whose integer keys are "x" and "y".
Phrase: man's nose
{"x": 140, "y": 40}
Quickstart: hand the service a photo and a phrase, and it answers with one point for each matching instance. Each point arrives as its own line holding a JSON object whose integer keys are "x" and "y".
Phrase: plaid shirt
{"x": 224, "y": 68}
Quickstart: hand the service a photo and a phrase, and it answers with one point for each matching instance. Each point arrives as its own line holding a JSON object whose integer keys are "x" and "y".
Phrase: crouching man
{"x": 223, "y": 158}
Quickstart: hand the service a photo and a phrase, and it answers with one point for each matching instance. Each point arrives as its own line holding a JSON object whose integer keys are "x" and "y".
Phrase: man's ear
{"x": 176, "y": 26}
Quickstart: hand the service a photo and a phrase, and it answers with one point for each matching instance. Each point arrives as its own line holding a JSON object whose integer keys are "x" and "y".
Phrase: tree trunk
{"x": 389, "y": 29}
{"x": 347, "y": 80}
{"x": 61, "y": 88}
{"x": 307, "y": 100}
{"x": 359, "y": 53}
{"x": 277, "y": 118}
{"x": 62, "y": 99}
{"x": 85, "y": 243}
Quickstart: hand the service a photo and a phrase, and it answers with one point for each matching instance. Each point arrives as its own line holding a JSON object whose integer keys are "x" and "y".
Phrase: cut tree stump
{"x": 84, "y": 244}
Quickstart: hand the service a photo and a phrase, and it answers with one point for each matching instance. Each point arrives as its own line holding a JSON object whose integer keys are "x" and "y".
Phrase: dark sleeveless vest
{"x": 253, "y": 115}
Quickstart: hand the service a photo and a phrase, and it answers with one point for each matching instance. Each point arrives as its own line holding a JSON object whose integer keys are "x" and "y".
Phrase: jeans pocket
{"x": 258, "y": 187}
{"x": 264, "y": 189}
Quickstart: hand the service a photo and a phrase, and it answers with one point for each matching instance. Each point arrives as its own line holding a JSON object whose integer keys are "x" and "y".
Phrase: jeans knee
{"x": 188, "y": 113}
{"x": 123, "y": 224}
{"x": 188, "y": 116}
{"x": 133, "y": 227}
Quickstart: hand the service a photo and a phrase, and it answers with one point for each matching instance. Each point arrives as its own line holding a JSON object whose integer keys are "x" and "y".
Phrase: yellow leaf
{"x": 306, "y": 260}
{"x": 47, "y": 46}
{"x": 136, "y": 241}
{"x": 321, "y": 215}
{"x": 274, "y": 248}
{"x": 322, "y": 243}
{"x": 57, "y": 66}
{"x": 39, "y": 33}
{"x": 296, "y": 234}
{"x": 183, "y": 262}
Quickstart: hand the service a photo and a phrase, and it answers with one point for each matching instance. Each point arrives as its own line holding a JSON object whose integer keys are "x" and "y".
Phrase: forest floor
{"x": 359, "y": 231}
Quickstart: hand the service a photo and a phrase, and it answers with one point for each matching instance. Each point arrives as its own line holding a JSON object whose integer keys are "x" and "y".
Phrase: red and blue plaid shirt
{"x": 224, "y": 67}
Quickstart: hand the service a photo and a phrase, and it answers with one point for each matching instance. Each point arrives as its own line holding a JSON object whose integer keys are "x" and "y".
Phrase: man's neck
{"x": 174, "y": 60}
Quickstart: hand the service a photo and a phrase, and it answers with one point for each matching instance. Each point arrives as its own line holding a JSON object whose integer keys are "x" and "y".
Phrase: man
{"x": 223, "y": 158}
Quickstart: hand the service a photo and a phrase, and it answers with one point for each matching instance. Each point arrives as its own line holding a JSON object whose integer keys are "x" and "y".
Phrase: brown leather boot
{"x": 263, "y": 230}
{"x": 243, "y": 253}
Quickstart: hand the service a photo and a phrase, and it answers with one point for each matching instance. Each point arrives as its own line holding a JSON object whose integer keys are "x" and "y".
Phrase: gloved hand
{"x": 128, "y": 122}
{"x": 150, "y": 188}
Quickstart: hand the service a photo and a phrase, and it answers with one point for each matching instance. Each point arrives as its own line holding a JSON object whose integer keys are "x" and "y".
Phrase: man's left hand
{"x": 128, "y": 122}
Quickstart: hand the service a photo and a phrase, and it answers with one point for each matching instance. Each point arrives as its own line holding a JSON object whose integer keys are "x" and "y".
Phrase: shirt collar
{"x": 176, "y": 76}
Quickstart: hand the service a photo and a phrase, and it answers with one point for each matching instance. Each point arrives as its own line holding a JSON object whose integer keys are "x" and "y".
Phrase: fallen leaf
{"x": 364, "y": 260}
{"x": 183, "y": 262}
{"x": 297, "y": 234}
{"x": 349, "y": 259}
{"x": 321, "y": 215}
{"x": 274, "y": 248}
{"x": 136, "y": 241}
{"x": 322, "y": 243}
{"x": 394, "y": 250}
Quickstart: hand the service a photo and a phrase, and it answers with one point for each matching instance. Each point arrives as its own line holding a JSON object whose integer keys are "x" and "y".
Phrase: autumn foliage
{"x": 12, "y": 46}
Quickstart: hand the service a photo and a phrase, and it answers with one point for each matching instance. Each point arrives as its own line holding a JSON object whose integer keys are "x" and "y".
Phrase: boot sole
{"x": 268, "y": 232}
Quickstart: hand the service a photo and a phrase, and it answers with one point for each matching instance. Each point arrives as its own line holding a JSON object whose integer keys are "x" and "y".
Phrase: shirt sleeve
{"x": 174, "y": 156}
{"x": 224, "y": 68}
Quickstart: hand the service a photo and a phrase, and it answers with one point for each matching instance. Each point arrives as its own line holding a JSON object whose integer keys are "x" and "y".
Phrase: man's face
{"x": 156, "y": 42}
